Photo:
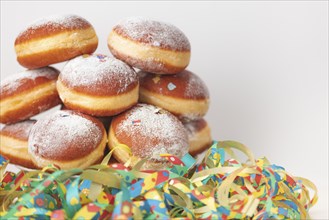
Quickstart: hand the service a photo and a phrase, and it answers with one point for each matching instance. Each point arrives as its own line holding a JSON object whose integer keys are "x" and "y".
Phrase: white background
{"x": 265, "y": 63}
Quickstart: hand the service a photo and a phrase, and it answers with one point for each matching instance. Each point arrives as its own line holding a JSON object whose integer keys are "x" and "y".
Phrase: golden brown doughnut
{"x": 149, "y": 45}
{"x": 55, "y": 39}
{"x": 67, "y": 139}
{"x": 13, "y": 142}
{"x": 98, "y": 85}
{"x": 183, "y": 94}
{"x": 28, "y": 93}
{"x": 148, "y": 131}
{"x": 199, "y": 136}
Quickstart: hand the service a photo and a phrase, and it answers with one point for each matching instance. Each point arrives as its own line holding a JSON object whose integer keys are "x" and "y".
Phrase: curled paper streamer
{"x": 217, "y": 188}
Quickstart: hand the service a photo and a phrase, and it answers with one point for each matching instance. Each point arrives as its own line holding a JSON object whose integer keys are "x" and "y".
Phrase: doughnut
{"x": 148, "y": 131}
{"x": 184, "y": 94}
{"x": 13, "y": 141}
{"x": 199, "y": 136}
{"x": 28, "y": 93}
{"x": 55, "y": 39}
{"x": 98, "y": 85}
{"x": 151, "y": 46}
{"x": 67, "y": 139}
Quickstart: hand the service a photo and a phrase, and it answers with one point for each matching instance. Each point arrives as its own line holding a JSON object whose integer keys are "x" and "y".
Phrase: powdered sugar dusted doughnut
{"x": 13, "y": 141}
{"x": 98, "y": 85}
{"x": 183, "y": 94}
{"x": 67, "y": 139}
{"x": 55, "y": 39}
{"x": 28, "y": 93}
{"x": 149, "y": 131}
{"x": 149, "y": 45}
{"x": 199, "y": 136}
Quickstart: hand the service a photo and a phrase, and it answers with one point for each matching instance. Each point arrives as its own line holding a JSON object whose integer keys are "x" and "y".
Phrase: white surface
{"x": 266, "y": 65}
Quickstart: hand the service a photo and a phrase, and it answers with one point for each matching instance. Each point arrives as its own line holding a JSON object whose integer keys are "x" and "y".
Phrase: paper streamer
{"x": 220, "y": 187}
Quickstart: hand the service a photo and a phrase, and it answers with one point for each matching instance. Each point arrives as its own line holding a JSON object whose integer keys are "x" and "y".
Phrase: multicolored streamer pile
{"x": 217, "y": 188}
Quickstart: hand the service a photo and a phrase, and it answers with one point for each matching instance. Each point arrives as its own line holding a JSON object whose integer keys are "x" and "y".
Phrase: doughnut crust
{"x": 149, "y": 45}
{"x": 28, "y": 93}
{"x": 184, "y": 94}
{"x": 199, "y": 136}
{"x": 148, "y": 131}
{"x": 67, "y": 139}
{"x": 13, "y": 141}
{"x": 98, "y": 85}
{"x": 55, "y": 39}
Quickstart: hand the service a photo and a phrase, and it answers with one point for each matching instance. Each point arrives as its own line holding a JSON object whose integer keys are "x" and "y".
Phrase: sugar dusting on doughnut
{"x": 155, "y": 33}
{"x": 196, "y": 87}
{"x": 191, "y": 129}
{"x": 146, "y": 124}
{"x": 99, "y": 73}
{"x": 52, "y": 24}
{"x": 12, "y": 83}
{"x": 64, "y": 135}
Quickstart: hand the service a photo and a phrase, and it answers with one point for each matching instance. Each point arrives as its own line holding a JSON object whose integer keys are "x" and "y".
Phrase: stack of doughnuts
{"x": 161, "y": 52}
{"x": 31, "y": 143}
{"x": 143, "y": 96}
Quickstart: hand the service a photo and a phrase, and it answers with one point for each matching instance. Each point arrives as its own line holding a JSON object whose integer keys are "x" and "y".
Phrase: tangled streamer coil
{"x": 217, "y": 188}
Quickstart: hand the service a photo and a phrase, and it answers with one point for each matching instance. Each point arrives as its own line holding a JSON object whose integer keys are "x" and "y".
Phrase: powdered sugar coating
{"x": 99, "y": 74}
{"x": 153, "y": 33}
{"x": 190, "y": 129}
{"x": 54, "y": 23}
{"x": 153, "y": 131}
{"x": 18, "y": 80}
{"x": 196, "y": 87}
{"x": 65, "y": 135}
{"x": 20, "y": 130}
